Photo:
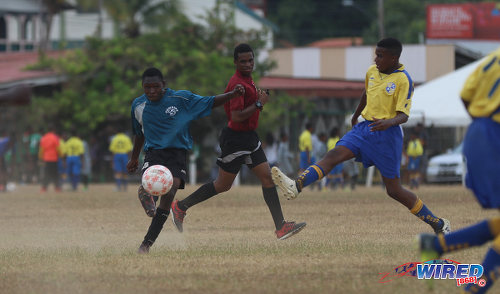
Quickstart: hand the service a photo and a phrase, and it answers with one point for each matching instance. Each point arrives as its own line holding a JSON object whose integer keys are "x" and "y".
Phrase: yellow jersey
{"x": 332, "y": 142}
{"x": 387, "y": 94}
{"x": 120, "y": 144}
{"x": 415, "y": 148}
{"x": 73, "y": 147}
{"x": 61, "y": 150}
{"x": 305, "y": 141}
{"x": 482, "y": 88}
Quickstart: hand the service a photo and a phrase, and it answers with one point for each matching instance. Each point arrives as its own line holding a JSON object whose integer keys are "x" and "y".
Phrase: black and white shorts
{"x": 239, "y": 147}
{"x": 173, "y": 158}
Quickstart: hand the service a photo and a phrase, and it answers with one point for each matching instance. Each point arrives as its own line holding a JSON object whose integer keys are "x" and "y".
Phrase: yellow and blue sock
{"x": 491, "y": 269}
{"x": 424, "y": 213}
{"x": 474, "y": 235}
{"x": 310, "y": 175}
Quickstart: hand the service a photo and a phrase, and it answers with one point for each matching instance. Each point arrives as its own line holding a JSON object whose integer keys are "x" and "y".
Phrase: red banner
{"x": 464, "y": 21}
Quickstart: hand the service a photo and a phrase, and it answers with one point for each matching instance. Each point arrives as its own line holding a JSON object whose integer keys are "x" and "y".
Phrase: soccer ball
{"x": 157, "y": 180}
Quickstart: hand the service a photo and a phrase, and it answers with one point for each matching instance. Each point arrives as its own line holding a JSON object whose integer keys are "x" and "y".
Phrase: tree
{"x": 104, "y": 77}
{"x": 52, "y": 7}
{"x": 303, "y": 22}
{"x": 129, "y": 15}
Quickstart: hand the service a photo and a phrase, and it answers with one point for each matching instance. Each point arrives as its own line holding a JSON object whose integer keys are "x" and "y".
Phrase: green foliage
{"x": 281, "y": 110}
{"x": 104, "y": 77}
{"x": 303, "y": 22}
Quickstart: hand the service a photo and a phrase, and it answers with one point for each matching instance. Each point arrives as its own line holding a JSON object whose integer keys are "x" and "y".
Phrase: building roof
{"x": 314, "y": 88}
{"x": 250, "y": 12}
{"x": 337, "y": 42}
{"x": 21, "y": 6}
{"x": 13, "y": 69}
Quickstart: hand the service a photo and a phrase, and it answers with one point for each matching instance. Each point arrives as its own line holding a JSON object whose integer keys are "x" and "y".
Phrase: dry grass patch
{"x": 86, "y": 242}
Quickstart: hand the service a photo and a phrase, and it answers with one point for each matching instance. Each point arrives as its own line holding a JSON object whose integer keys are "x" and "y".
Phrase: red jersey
{"x": 49, "y": 144}
{"x": 240, "y": 103}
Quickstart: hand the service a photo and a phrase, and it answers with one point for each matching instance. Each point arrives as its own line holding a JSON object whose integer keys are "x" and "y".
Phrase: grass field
{"x": 86, "y": 242}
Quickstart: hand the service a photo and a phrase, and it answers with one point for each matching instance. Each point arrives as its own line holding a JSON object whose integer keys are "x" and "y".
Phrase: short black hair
{"x": 393, "y": 45}
{"x": 242, "y": 48}
{"x": 334, "y": 132}
{"x": 152, "y": 72}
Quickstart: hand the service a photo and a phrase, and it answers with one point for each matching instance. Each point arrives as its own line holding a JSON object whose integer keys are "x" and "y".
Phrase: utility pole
{"x": 380, "y": 19}
{"x": 99, "y": 21}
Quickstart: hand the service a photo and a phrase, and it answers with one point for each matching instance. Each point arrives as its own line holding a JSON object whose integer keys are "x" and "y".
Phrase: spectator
{"x": 351, "y": 173}
{"x": 74, "y": 158}
{"x": 271, "y": 149}
{"x": 4, "y": 146}
{"x": 285, "y": 157}
{"x": 415, "y": 150}
{"x": 305, "y": 147}
{"x": 319, "y": 150}
{"x": 50, "y": 153}
{"x": 86, "y": 166}
{"x": 120, "y": 146}
{"x": 335, "y": 176}
{"x": 34, "y": 143}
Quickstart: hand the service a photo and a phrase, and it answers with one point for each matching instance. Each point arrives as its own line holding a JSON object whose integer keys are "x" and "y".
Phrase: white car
{"x": 448, "y": 167}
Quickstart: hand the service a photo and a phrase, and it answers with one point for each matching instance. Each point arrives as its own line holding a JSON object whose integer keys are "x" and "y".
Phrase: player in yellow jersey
{"x": 481, "y": 96}
{"x": 305, "y": 147}
{"x": 61, "y": 162}
{"x": 120, "y": 146}
{"x": 415, "y": 151}
{"x": 385, "y": 104}
{"x": 73, "y": 148}
{"x": 335, "y": 176}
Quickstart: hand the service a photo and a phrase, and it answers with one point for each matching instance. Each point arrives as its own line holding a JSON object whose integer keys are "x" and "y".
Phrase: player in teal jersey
{"x": 160, "y": 120}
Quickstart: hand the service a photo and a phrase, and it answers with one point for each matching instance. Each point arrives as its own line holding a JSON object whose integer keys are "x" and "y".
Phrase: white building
{"x": 23, "y": 23}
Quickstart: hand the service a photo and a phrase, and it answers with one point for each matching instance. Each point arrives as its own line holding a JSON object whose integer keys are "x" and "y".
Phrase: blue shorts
{"x": 60, "y": 166}
{"x": 414, "y": 163}
{"x": 73, "y": 165}
{"x": 337, "y": 169}
{"x": 482, "y": 154}
{"x": 380, "y": 148}
{"x": 304, "y": 162}
{"x": 120, "y": 163}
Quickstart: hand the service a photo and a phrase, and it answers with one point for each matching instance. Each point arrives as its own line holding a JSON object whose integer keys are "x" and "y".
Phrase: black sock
{"x": 273, "y": 202}
{"x": 156, "y": 226}
{"x": 203, "y": 193}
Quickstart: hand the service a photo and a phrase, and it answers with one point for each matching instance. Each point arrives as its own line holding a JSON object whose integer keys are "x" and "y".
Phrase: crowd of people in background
{"x": 82, "y": 160}
{"x": 64, "y": 160}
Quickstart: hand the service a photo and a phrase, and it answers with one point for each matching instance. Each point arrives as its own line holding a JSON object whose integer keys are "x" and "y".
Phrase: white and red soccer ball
{"x": 157, "y": 180}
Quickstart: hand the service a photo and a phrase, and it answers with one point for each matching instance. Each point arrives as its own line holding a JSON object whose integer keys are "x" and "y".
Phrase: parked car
{"x": 447, "y": 167}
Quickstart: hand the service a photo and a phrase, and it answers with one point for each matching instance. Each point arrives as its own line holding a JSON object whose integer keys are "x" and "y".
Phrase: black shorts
{"x": 172, "y": 158}
{"x": 239, "y": 147}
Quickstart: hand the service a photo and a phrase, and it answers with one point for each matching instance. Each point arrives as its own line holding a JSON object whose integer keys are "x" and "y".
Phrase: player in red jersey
{"x": 240, "y": 144}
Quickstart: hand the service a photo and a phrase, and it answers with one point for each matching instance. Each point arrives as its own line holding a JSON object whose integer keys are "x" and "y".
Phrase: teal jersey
{"x": 165, "y": 123}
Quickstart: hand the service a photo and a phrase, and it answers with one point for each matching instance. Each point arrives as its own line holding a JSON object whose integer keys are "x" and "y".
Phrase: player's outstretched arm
{"x": 133, "y": 163}
{"x": 220, "y": 99}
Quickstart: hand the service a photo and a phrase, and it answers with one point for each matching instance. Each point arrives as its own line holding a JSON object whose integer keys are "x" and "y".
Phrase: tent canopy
{"x": 438, "y": 102}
